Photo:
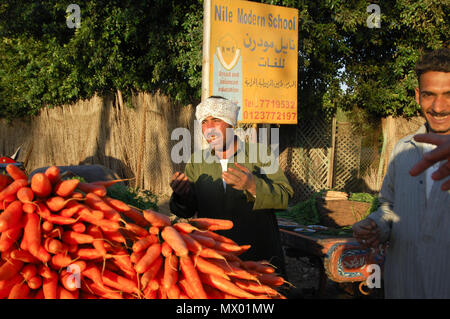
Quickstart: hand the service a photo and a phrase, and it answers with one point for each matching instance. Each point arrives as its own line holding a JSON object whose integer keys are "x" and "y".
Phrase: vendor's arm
{"x": 268, "y": 191}
{"x": 182, "y": 202}
{"x": 384, "y": 216}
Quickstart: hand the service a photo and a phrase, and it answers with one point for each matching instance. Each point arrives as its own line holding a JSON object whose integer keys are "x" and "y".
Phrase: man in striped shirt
{"x": 414, "y": 215}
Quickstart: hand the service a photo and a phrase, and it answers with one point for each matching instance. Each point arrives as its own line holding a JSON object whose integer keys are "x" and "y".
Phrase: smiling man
{"x": 414, "y": 215}
{"x": 226, "y": 184}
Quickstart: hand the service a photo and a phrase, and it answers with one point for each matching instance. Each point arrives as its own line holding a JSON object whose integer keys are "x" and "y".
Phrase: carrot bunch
{"x": 62, "y": 239}
{"x": 65, "y": 239}
{"x": 189, "y": 260}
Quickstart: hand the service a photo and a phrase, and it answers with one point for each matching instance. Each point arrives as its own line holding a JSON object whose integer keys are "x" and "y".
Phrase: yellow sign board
{"x": 253, "y": 55}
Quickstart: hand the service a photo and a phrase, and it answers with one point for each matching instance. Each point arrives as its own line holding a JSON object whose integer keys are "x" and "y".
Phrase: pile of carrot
{"x": 66, "y": 239}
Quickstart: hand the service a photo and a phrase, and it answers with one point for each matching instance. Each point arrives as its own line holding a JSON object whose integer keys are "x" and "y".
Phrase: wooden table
{"x": 341, "y": 259}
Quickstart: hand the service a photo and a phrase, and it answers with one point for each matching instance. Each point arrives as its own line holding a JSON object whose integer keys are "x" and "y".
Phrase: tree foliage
{"x": 138, "y": 45}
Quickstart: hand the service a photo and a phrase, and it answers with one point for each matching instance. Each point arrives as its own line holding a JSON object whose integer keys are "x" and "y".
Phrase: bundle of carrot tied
{"x": 67, "y": 239}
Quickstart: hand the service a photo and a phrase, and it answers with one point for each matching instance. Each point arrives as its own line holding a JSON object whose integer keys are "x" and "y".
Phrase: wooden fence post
{"x": 331, "y": 154}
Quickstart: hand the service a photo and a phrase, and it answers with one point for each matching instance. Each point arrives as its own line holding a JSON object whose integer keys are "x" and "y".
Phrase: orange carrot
{"x": 32, "y": 233}
{"x": 121, "y": 283}
{"x": 233, "y": 270}
{"x": 138, "y": 230}
{"x": 156, "y": 219}
{"x": 116, "y": 204}
{"x": 136, "y": 256}
{"x": 170, "y": 276}
{"x": 49, "y": 286}
{"x": 79, "y": 227}
{"x": 66, "y": 188}
{"x": 258, "y": 266}
{"x": 60, "y": 260}
{"x": 166, "y": 250}
{"x": 19, "y": 291}
{"x": 6, "y": 285}
{"x": 71, "y": 208}
{"x": 96, "y": 289}
{"x": 54, "y": 246}
{"x": 213, "y": 293}
{"x": 192, "y": 245}
{"x": 62, "y": 293}
{"x": 96, "y": 202}
{"x": 56, "y": 203}
{"x": 154, "y": 230}
{"x": 71, "y": 237}
{"x": 217, "y": 237}
{"x": 10, "y": 268}
{"x": 11, "y": 216}
{"x": 207, "y": 267}
{"x": 15, "y": 172}
{"x": 115, "y": 236}
{"x": 271, "y": 279}
{"x": 224, "y": 285}
{"x": 173, "y": 292}
{"x": 137, "y": 217}
{"x": 92, "y": 188}
{"x": 88, "y": 253}
{"x": 187, "y": 288}
{"x": 24, "y": 256}
{"x": 144, "y": 243}
{"x": 98, "y": 242}
{"x": 204, "y": 240}
{"x": 175, "y": 241}
{"x": 25, "y": 194}
{"x": 46, "y": 226}
{"x": 9, "y": 237}
{"x": 35, "y": 282}
{"x": 184, "y": 227}
{"x": 234, "y": 248}
{"x": 53, "y": 174}
{"x": 42, "y": 210}
{"x": 255, "y": 287}
{"x": 28, "y": 271}
{"x": 151, "y": 272}
{"x": 40, "y": 184}
{"x": 60, "y": 220}
{"x": 42, "y": 254}
{"x": 29, "y": 208}
{"x": 12, "y": 188}
{"x": 192, "y": 277}
{"x": 150, "y": 256}
{"x": 110, "y": 183}
{"x": 211, "y": 223}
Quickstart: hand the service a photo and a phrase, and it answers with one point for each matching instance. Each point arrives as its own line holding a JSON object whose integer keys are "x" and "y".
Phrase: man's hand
{"x": 367, "y": 233}
{"x": 441, "y": 153}
{"x": 180, "y": 184}
{"x": 240, "y": 178}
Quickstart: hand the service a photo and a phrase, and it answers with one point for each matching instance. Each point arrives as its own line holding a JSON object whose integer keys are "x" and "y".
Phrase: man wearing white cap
{"x": 216, "y": 186}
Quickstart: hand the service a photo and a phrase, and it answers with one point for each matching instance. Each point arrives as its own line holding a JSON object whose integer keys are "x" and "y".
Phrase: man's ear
{"x": 417, "y": 90}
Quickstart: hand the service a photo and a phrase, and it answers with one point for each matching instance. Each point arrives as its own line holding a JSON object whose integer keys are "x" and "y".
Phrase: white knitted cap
{"x": 220, "y": 108}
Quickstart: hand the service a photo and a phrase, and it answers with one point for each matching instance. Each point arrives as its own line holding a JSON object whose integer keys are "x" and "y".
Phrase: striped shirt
{"x": 416, "y": 227}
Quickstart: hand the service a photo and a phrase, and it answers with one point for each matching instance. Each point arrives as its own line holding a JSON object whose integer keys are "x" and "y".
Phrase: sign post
{"x": 250, "y": 56}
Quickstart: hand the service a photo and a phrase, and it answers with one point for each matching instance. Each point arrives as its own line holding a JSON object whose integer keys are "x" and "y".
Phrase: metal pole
{"x": 206, "y": 45}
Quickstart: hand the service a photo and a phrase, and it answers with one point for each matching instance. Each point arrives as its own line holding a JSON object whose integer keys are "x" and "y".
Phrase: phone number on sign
{"x": 268, "y": 115}
{"x": 266, "y": 103}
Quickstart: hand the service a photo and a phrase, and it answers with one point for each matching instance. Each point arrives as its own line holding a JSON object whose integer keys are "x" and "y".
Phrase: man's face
{"x": 214, "y": 130}
{"x": 433, "y": 96}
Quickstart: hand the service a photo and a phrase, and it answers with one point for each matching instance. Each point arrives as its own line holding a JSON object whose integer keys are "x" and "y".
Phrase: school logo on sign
{"x": 227, "y": 52}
